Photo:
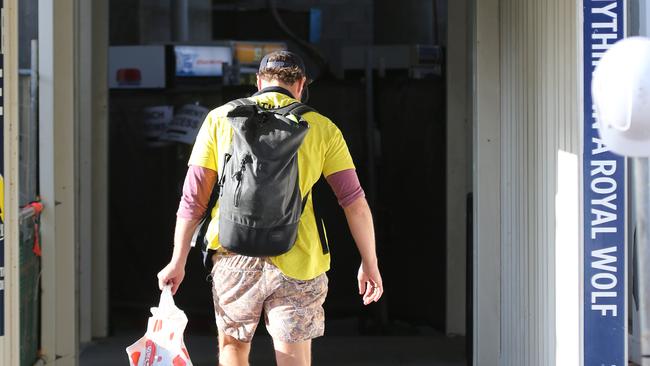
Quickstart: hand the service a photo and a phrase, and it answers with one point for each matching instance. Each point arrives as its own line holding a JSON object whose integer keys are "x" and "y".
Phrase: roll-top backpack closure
{"x": 260, "y": 202}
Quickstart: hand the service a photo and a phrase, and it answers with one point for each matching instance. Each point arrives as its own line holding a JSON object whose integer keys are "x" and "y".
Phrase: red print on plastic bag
{"x": 162, "y": 344}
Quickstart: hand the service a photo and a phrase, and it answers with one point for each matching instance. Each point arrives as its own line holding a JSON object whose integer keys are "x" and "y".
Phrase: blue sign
{"x": 315, "y": 25}
{"x": 202, "y": 60}
{"x": 605, "y": 313}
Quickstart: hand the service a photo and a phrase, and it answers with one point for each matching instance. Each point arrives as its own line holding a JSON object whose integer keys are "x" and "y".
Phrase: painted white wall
{"x": 539, "y": 117}
{"x": 526, "y": 110}
{"x": 58, "y": 180}
{"x": 486, "y": 183}
{"x": 10, "y": 342}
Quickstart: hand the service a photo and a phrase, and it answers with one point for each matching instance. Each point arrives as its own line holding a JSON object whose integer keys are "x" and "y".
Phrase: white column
{"x": 58, "y": 179}
{"x": 487, "y": 183}
{"x": 10, "y": 342}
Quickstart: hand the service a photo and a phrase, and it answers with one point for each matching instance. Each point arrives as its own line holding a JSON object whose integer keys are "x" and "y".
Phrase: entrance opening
{"x": 379, "y": 76}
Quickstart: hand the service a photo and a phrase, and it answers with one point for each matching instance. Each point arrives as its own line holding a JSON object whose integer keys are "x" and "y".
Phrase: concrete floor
{"x": 432, "y": 350}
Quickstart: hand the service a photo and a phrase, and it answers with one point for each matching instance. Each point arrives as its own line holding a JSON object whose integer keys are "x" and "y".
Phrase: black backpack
{"x": 258, "y": 189}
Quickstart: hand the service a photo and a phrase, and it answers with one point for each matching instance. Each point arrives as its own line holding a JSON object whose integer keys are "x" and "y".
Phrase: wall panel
{"x": 539, "y": 118}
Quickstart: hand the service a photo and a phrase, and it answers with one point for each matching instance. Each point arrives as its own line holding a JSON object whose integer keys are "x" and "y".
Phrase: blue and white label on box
{"x": 201, "y": 60}
{"x": 604, "y": 179}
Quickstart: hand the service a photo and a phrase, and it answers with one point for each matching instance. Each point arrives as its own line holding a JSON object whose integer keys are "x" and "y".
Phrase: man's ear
{"x": 304, "y": 93}
{"x": 259, "y": 83}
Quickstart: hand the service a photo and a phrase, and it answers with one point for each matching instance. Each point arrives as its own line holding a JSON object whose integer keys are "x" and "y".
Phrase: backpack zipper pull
{"x": 222, "y": 178}
{"x": 239, "y": 176}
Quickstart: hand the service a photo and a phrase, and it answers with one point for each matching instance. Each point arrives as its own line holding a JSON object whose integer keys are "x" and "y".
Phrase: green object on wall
{"x": 30, "y": 272}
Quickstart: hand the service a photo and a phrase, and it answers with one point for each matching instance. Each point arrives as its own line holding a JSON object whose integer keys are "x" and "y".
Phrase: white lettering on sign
{"x": 603, "y": 184}
{"x": 603, "y": 209}
{"x": 604, "y": 34}
{"x": 604, "y": 281}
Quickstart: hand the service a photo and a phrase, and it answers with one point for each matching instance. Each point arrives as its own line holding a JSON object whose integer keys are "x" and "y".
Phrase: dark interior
{"x": 401, "y": 167}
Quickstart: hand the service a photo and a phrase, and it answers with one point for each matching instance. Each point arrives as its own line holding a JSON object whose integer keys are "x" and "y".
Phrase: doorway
{"x": 387, "y": 94}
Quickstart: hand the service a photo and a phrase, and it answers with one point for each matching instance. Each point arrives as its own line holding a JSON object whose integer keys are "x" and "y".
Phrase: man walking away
{"x": 288, "y": 288}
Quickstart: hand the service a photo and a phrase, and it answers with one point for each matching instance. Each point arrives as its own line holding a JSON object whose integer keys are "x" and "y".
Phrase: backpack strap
{"x": 316, "y": 195}
{"x": 241, "y": 101}
{"x": 320, "y": 223}
{"x": 296, "y": 108}
{"x": 201, "y": 231}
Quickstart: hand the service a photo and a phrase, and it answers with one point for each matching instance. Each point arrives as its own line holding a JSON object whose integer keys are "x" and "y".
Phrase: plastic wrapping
{"x": 162, "y": 344}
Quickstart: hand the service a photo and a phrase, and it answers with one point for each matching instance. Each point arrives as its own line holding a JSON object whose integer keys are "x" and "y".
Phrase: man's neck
{"x": 277, "y": 83}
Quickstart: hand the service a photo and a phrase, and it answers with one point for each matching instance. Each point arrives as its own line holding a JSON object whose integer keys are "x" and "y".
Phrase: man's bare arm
{"x": 197, "y": 188}
{"x": 361, "y": 226}
{"x": 174, "y": 272}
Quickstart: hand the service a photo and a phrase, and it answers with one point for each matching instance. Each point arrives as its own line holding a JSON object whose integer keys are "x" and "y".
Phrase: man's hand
{"x": 370, "y": 285}
{"x": 174, "y": 272}
{"x": 173, "y": 275}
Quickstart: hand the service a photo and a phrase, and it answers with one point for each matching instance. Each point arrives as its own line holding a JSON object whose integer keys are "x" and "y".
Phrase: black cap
{"x": 290, "y": 60}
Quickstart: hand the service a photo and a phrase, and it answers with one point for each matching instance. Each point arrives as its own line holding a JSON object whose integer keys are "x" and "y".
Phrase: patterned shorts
{"x": 244, "y": 286}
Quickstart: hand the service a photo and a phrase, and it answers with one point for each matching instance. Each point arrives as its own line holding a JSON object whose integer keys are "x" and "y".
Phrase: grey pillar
{"x": 180, "y": 20}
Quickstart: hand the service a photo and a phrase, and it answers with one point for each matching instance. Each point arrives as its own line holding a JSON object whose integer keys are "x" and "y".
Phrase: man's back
{"x": 323, "y": 152}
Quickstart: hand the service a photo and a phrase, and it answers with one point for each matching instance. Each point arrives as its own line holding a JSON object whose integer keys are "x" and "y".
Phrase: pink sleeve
{"x": 197, "y": 189}
{"x": 346, "y": 186}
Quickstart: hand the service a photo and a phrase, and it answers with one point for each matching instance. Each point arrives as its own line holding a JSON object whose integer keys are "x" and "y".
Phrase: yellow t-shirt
{"x": 323, "y": 151}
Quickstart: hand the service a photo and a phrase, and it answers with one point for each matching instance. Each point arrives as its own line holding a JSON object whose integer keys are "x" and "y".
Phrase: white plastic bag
{"x": 162, "y": 344}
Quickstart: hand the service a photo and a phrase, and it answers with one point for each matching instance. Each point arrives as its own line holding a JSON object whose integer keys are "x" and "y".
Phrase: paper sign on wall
{"x": 156, "y": 119}
{"x": 185, "y": 125}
